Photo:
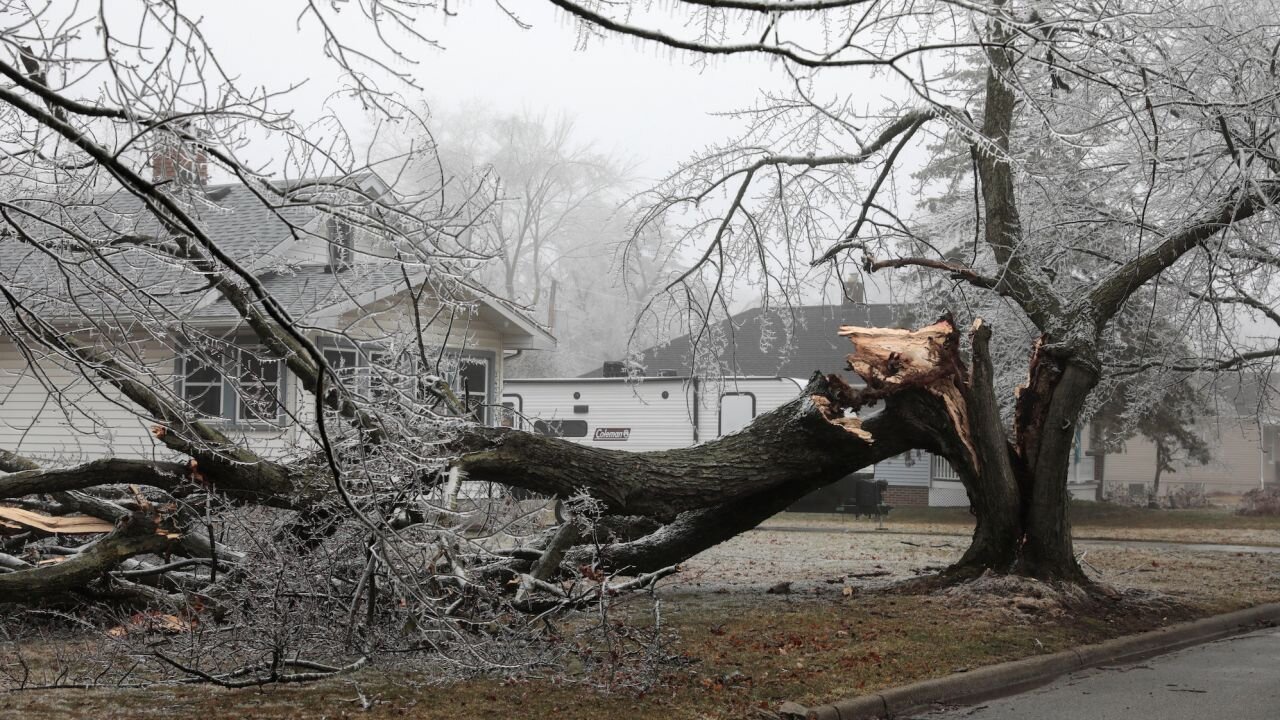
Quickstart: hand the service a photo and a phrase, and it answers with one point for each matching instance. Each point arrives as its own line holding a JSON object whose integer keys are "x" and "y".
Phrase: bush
{"x": 1179, "y": 498}
{"x": 1260, "y": 502}
{"x": 1185, "y": 498}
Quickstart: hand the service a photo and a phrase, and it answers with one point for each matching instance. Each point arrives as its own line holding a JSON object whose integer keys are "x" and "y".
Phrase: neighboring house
{"x": 334, "y": 279}
{"x": 1240, "y": 461}
{"x": 680, "y": 394}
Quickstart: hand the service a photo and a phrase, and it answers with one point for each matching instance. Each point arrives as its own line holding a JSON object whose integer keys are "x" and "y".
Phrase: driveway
{"x": 1236, "y": 678}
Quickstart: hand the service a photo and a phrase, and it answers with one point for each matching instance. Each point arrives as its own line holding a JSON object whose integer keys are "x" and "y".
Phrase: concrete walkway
{"x": 1237, "y": 678}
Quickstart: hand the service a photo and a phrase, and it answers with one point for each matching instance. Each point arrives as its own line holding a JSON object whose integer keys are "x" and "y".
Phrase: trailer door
{"x": 737, "y": 410}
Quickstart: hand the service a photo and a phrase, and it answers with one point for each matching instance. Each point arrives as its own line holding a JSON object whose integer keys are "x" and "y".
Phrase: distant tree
{"x": 557, "y": 232}
{"x": 1169, "y": 424}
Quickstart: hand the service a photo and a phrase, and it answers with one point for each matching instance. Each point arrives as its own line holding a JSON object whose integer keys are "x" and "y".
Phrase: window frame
{"x": 720, "y": 410}
{"x": 231, "y": 385}
{"x": 543, "y": 427}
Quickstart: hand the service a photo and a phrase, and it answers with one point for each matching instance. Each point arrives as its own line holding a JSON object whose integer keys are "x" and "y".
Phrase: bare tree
{"x": 245, "y": 408}
{"x": 1092, "y": 162}
{"x": 557, "y": 231}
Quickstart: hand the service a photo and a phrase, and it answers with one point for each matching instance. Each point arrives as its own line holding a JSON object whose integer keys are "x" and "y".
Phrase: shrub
{"x": 1260, "y": 502}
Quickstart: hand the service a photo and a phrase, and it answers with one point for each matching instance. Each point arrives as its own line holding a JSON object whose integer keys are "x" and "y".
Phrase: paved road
{"x": 1237, "y": 678}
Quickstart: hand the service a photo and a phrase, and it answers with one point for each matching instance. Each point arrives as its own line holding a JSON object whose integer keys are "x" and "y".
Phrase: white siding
{"x": 653, "y": 422}
{"x": 84, "y": 420}
{"x": 769, "y": 393}
{"x": 1239, "y": 463}
{"x": 391, "y": 320}
{"x": 910, "y": 469}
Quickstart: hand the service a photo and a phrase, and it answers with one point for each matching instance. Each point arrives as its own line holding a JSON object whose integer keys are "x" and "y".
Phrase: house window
{"x": 246, "y": 388}
{"x": 470, "y": 376}
{"x": 472, "y": 385}
{"x": 259, "y": 397}
{"x": 201, "y": 386}
{"x": 394, "y": 378}
{"x": 344, "y": 361}
{"x": 561, "y": 428}
{"x": 341, "y": 244}
{"x": 388, "y": 377}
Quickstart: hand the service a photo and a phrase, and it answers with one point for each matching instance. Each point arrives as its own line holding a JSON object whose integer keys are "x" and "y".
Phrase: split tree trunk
{"x": 713, "y": 492}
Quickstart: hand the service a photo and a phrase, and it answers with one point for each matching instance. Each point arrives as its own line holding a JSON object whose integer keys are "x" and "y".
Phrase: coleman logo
{"x": 612, "y": 434}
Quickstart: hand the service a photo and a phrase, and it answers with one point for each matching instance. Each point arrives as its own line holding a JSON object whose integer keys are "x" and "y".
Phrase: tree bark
{"x": 909, "y": 420}
{"x": 988, "y": 475}
{"x": 135, "y": 536}
{"x": 804, "y": 441}
{"x": 1046, "y": 414}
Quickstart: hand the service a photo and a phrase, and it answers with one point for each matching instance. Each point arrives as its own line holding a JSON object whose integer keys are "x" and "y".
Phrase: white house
{"x": 1243, "y": 441}
{"x": 334, "y": 279}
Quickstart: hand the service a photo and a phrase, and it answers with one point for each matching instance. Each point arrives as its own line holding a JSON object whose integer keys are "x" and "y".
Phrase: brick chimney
{"x": 854, "y": 291}
{"x": 179, "y": 163}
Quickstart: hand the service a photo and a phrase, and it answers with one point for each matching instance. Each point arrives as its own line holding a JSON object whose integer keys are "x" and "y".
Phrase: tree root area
{"x": 1025, "y": 598}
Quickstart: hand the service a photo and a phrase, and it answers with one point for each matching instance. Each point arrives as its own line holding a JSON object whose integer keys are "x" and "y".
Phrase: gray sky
{"x": 644, "y": 103}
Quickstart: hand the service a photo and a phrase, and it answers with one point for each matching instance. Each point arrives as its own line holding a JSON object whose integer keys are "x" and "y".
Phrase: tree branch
{"x": 136, "y": 536}
{"x": 1105, "y": 300}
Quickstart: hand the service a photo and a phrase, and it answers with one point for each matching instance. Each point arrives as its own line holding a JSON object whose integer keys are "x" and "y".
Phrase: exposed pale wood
{"x": 929, "y": 358}
{"x": 62, "y": 524}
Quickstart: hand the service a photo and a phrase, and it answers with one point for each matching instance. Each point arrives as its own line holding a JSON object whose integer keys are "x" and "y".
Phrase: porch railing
{"x": 940, "y": 469}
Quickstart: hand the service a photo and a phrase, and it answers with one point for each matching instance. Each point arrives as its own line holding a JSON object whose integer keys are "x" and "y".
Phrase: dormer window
{"x": 341, "y": 244}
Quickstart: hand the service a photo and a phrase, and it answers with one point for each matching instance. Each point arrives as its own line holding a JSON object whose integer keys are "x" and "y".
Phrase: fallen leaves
{"x": 153, "y": 622}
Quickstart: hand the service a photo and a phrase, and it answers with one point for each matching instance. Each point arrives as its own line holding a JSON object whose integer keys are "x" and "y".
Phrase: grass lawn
{"x": 742, "y": 655}
{"x": 740, "y": 649}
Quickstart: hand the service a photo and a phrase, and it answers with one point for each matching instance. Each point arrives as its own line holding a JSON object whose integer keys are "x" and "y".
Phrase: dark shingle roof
{"x": 62, "y": 279}
{"x": 308, "y": 289}
{"x": 786, "y": 342}
{"x": 57, "y": 278}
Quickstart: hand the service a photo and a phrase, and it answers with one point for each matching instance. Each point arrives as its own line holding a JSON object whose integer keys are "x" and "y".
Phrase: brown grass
{"x": 742, "y": 649}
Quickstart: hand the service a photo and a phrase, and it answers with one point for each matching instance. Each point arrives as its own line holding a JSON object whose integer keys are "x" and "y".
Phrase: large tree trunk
{"x": 712, "y": 492}
{"x": 804, "y": 444}
{"x": 988, "y": 473}
{"x": 1046, "y": 415}
{"x": 910, "y": 420}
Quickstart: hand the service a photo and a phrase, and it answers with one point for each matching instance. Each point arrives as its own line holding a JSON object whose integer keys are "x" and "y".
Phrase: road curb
{"x": 1020, "y": 675}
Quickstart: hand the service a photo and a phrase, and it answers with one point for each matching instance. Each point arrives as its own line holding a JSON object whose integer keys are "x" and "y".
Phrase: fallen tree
{"x": 347, "y": 541}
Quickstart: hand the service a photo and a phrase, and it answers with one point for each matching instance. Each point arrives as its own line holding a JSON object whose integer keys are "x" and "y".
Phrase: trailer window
{"x": 561, "y": 428}
{"x": 737, "y": 410}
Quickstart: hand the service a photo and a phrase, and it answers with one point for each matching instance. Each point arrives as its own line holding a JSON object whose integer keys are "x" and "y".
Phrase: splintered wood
{"x": 63, "y": 524}
{"x": 890, "y": 356}
{"x": 890, "y": 359}
{"x": 833, "y": 408}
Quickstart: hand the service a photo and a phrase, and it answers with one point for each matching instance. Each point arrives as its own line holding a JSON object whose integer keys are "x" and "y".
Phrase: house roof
{"x": 785, "y": 342}
{"x": 241, "y": 223}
